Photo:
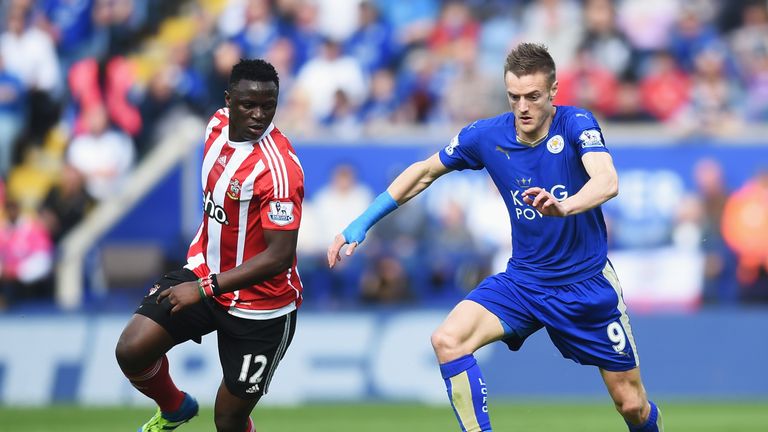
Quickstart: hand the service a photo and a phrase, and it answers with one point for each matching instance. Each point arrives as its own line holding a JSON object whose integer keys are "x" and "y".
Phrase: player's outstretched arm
{"x": 603, "y": 185}
{"x": 407, "y": 185}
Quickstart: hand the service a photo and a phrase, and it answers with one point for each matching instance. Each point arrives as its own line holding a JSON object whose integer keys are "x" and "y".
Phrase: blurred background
{"x": 103, "y": 105}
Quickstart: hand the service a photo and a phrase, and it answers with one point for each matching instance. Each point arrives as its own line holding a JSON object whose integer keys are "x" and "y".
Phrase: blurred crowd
{"x": 436, "y": 248}
{"x": 88, "y": 87}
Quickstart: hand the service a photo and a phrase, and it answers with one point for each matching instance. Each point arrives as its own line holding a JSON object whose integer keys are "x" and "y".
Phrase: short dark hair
{"x": 253, "y": 70}
{"x": 530, "y": 58}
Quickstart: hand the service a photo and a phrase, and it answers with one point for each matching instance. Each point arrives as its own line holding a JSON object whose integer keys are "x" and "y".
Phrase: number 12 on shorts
{"x": 259, "y": 360}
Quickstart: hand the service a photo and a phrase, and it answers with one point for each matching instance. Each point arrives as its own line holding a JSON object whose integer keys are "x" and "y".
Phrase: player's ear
{"x": 553, "y": 91}
{"x": 226, "y": 98}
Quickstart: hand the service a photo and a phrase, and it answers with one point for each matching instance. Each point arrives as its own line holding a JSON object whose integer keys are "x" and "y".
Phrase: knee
{"x": 230, "y": 422}
{"x": 633, "y": 409}
{"x": 127, "y": 353}
{"x": 447, "y": 346}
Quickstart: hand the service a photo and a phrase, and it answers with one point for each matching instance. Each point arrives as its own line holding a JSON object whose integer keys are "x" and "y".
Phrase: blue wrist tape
{"x": 383, "y": 205}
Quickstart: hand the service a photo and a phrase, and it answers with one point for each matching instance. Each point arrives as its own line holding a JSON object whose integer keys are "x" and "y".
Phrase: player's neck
{"x": 533, "y": 140}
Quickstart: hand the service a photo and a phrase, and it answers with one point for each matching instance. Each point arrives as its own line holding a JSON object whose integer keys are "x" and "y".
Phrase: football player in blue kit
{"x": 553, "y": 170}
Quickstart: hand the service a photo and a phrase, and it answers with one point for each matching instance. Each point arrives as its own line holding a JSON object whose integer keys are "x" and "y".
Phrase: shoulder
{"x": 278, "y": 148}
{"x": 486, "y": 126}
{"x": 577, "y": 119}
{"x": 219, "y": 118}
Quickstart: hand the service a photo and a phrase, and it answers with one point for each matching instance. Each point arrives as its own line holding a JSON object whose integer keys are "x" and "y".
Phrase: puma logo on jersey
{"x": 215, "y": 212}
{"x": 581, "y": 115}
{"x": 506, "y": 152}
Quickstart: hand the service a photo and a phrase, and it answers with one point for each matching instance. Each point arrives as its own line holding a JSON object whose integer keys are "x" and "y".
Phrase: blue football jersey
{"x": 545, "y": 250}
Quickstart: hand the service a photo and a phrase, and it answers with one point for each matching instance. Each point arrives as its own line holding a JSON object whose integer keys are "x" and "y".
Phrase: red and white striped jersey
{"x": 248, "y": 187}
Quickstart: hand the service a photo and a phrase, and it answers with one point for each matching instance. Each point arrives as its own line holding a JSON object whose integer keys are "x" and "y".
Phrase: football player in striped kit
{"x": 240, "y": 279}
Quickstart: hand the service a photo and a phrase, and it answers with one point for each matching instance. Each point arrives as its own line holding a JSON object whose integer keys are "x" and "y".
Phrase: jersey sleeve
{"x": 585, "y": 133}
{"x": 280, "y": 200}
{"x": 463, "y": 152}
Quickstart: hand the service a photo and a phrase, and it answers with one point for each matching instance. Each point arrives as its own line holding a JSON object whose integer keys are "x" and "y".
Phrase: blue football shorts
{"x": 587, "y": 321}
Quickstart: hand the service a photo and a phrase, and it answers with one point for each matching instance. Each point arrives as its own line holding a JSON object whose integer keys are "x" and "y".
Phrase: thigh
{"x": 250, "y": 350}
{"x": 190, "y": 323}
{"x": 503, "y": 297}
{"x": 588, "y": 322}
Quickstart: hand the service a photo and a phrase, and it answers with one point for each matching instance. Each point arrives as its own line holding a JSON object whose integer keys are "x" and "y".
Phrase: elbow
{"x": 282, "y": 263}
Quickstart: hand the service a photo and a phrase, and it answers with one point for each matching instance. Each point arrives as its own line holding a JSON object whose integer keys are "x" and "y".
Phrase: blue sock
{"x": 467, "y": 393}
{"x": 653, "y": 424}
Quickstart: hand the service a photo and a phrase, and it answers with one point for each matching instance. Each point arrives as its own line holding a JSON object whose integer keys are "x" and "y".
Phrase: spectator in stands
{"x": 29, "y": 54}
{"x": 716, "y": 104}
{"x": 259, "y": 30}
{"x": 385, "y": 281}
{"x": 343, "y": 194}
{"x": 750, "y": 46}
{"x": 469, "y": 82}
{"x": 412, "y": 20}
{"x": 225, "y": 55}
{"x": 73, "y": 27}
{"x": 647, "y": 23}
{"x": 745, "y": 229}
{"x": 12, "y": 116}
{"x": 104, "y": 155}
{"x": 324, "y": 75}
{"x": 304, "y": 33}
{"x": 450, "y": 243}
{"x": 66, "y": 204}
{"x": 26, "y": 256}
{"x": 720, "y": 264}
{"x": 96, "y": 84}
{"x": 585, "y": 82}
{"x": 455, "y": 29}
{"x": 605, "y": 42}
{"x": 342, "y": 121}
{"x": 665, "y": 89}
{"x": 337, "y": 19}
{"x": 558, "y": 23}
{"x": 373, "y": 43}
{"x": 380, "y": 110}
{"x": 690, "y": 35}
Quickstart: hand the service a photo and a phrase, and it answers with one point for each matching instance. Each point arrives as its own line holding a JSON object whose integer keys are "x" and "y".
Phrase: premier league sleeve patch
{"x": 591, "y": 138}
{"x": 280, "y": 212}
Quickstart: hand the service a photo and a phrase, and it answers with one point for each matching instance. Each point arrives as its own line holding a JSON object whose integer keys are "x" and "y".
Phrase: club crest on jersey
{"x": 280, "y": 212}
{"x": 234, "y": 189}
{"x": 556, "y": 144}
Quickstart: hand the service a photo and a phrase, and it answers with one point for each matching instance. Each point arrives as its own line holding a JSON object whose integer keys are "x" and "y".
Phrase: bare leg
{"x": 231, "y": 412}
{"x": 629, "y": 397}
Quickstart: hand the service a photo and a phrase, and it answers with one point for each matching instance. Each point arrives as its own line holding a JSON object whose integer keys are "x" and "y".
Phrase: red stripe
{"x": 216, "y": 131}
{"x": 230, "y": 232}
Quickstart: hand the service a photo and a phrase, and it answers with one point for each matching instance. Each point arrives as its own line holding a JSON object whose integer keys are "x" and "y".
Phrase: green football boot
{"x": 170, "y": 421}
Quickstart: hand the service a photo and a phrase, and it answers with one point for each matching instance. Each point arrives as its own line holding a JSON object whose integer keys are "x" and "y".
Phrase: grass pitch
{"x": 506, "y": 416}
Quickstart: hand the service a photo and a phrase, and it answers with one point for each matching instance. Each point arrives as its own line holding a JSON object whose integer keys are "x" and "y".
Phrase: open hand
{"x": 334, "y": 250}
